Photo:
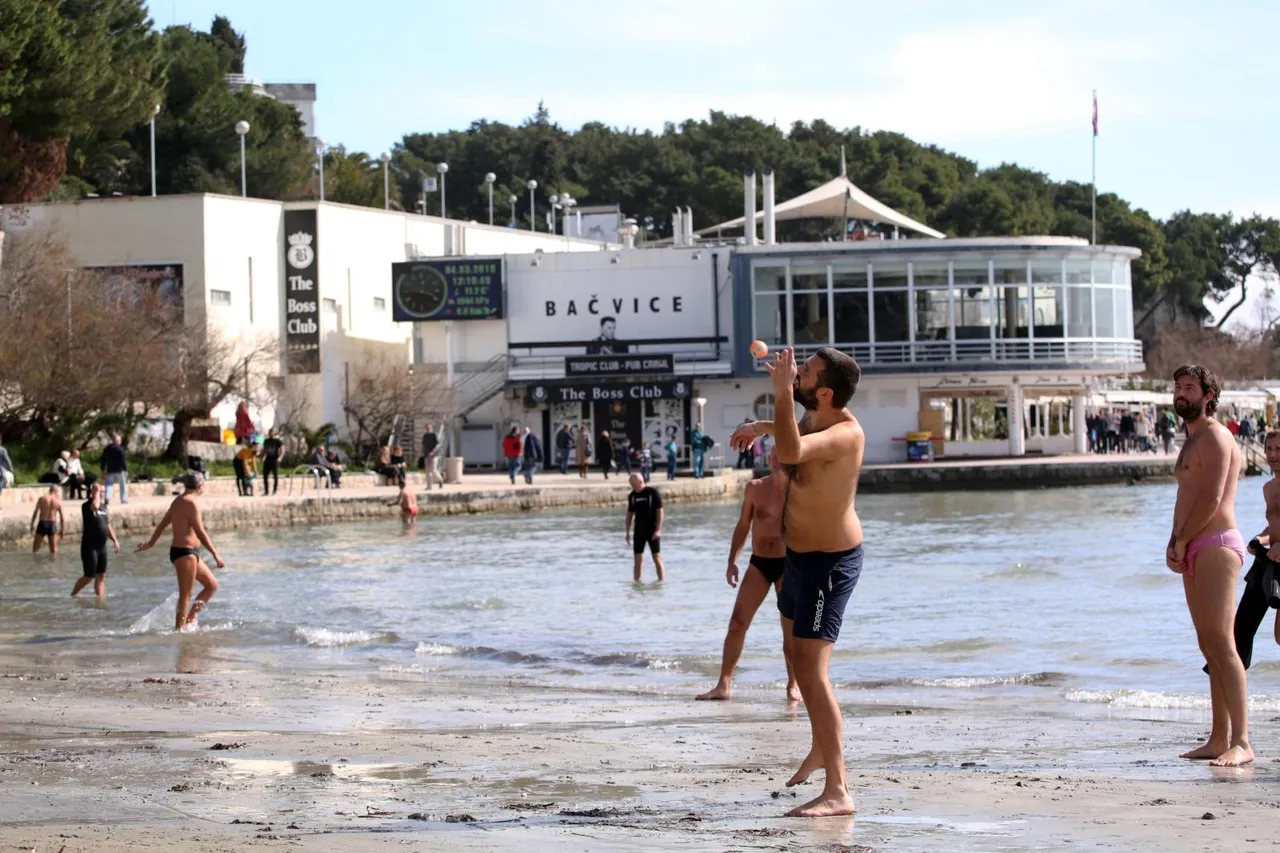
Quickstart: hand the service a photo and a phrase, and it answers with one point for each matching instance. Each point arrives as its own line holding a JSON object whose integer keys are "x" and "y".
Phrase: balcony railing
{"x": 997, "y": 351}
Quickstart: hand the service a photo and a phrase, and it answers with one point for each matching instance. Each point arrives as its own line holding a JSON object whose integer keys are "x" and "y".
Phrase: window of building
{"x": 852, "y": 323}
{"x": 809, "y": 311}
{"x": 1104, "y": 308}
{"x": 220, "y": 297}
{"x": 933, "y": 312}
{"x": 808, "y": 278}
{"x": 928, "y": 275}
{"x": 1078, "y": 271}
{"x": 768, "y": 279}
{"x": 330, "y": 306}
{"x": 849, "y": 277}
{"x": 892, "y": 323}
{"x": 973, "y": 296}
{"x": 1102, "y": 271}
{"x": 762, "y": 408}
{"x": 1047, "y": 311}
{"x": 889, "y": 276}
{"x": 770, "y": 318}
{"x": 1080, "y": 311}
{"x": 379, "y": 304}
{"x": 1046, "y": 271}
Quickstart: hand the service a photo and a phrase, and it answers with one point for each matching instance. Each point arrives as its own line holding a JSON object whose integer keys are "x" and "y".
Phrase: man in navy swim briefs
{"x": 823, "y": 537}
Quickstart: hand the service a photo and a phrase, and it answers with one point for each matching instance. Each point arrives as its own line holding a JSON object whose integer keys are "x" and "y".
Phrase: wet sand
{"x": 111, "y": 757}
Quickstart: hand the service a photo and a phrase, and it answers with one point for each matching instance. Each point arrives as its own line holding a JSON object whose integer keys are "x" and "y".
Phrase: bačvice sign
{"x": 301, "y": 292}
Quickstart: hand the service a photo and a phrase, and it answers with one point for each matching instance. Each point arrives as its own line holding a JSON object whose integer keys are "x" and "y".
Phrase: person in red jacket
{"x": 512, "y": 450}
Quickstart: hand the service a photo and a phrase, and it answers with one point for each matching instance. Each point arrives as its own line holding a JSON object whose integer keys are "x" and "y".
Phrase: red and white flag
{"x": 1095, "y": 113}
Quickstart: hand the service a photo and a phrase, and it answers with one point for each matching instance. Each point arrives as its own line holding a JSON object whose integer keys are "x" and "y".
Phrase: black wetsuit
{"x": 272, "y": 450}
{"x": 1253, "y": 606}
{"x": 93, "y": 544}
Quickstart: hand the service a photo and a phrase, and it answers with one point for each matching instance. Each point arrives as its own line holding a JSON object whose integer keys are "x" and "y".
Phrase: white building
{"x": 237, "y": 262}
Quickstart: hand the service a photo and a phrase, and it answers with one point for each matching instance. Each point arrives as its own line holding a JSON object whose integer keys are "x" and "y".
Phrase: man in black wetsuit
{"x": 644, "y": 507}
{"x": 93, "y": 544}
{"x": 272, "y": 453}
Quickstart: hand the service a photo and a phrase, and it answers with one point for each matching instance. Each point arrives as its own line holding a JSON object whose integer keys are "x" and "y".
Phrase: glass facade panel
{"x": 770, "y": 318}
{"x": 892, "y": 323}
{"x": 1104, "y": 307}
{"x": 889, "y": 276}
{"x": 809, "y": 311}
{"x": 852, "y": 324}
{"x": 932, "y": 313}
{"x": 1080, "y": 312}
{"x": 809, "y": 277}
{"x": 764, "y": 279}
{"x": 849, "y": 277}
{"x": 1102, "y": 270}
{"x": 1078, "y": 271}
{"x": 1124, "y": 314}
{"x": 1046, "y": 271}
{"x": 1011, "y": 308}
{"x": 1010, "y": 271}
{"x": 1048, "y": 311}
{"x": 929, "y": 275}
{"x": 973, "y": 313}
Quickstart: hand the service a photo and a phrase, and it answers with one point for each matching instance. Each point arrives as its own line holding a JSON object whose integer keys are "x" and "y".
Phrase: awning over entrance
{"x": 835, "y": 199}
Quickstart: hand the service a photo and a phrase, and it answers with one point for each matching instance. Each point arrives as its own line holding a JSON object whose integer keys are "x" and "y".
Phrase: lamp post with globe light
{"x": 242, "y": 128}
{"x": 533, "y": 220}
{"x": 489, "y": 178}
{"x": 513, "y": 211}
{"x": 153, "y": 150}
{"x": 386, "y": 181}
{"x": 555, "y": 202}
{"x": 442, "y": 169}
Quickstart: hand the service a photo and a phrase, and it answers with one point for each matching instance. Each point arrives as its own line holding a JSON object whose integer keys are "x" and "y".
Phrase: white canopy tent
{"x": 835, "y": 199}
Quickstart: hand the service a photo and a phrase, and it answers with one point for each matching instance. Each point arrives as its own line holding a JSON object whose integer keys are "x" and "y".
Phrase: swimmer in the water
{"x": 1207, "y": 550}
{"x": 762, "y": 516}
{"x": 47, "y": 521}
{"x": 408, "y": 505}
{"x": 184, "y": 552}
{"x": 96, "y": 534}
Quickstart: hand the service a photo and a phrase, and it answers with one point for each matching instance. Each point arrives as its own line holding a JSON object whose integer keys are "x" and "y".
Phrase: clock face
{"x": 422, "y": 292}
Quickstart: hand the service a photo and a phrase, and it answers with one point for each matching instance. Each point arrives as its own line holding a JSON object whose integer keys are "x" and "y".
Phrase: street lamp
{"x": 700, "y": 402}
{"x": 320, "y": 155}
{"x": 513, "y": 211}
{"x": 386, "y": 181}
{"x": 442, "y": 169}
{"x": 533, "y": 223}
{"x": 568, "y": 202}
{"x": 489, "y": 178}
{"x": 153, "y": 150}
{"x": 242, "y": 127}
{"x": 555, "y": 202}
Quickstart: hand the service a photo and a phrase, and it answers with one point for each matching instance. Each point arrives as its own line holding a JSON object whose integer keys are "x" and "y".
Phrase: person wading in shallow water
{"x": 823, "y": 536}
{"x": 188, "y": 535}
{"x": 1207, "y": 550}
{"x": 762, "y": 504}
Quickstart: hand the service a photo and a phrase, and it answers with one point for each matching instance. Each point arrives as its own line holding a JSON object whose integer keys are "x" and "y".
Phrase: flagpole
{"x": 1093, "y": 216}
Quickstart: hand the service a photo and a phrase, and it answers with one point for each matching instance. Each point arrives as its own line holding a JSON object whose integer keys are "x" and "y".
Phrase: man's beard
{"x": 808, "y": 399}
{"x": 1188, "y": 410}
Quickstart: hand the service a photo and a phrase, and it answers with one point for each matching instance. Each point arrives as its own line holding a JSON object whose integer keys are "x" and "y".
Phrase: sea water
{"x": 1050, "y": 599}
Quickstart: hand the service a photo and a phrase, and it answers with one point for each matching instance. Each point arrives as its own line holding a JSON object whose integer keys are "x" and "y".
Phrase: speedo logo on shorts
{"x": 817, "y": 612}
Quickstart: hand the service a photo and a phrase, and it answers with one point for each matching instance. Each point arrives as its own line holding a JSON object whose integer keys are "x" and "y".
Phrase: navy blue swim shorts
{"x": 815, "y": 590}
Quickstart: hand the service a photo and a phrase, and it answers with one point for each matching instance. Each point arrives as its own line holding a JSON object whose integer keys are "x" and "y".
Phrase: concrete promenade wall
{"x": 361, "y": 498}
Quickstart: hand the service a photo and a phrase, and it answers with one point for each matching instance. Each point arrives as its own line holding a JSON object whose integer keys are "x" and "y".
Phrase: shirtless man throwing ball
{"x": 1207, "y": 550}
{"x": 823, "y": 537}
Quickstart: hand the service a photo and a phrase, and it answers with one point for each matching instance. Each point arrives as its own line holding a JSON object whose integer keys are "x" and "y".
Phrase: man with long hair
{"x": 1207, "y": 550}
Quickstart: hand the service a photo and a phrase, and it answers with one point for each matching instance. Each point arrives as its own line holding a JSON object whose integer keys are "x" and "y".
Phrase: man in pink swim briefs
{"x": 1208, "y": 551}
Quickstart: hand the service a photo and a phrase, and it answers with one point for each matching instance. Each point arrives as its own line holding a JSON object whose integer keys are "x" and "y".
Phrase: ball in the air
{"x": 759, "y": 349}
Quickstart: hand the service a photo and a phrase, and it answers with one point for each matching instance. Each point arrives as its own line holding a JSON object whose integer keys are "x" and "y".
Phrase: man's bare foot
{"x": 793, "y": 693}
{"x": 825, "y": 805}
{"x": 719, "y": 693}
{"x": 812, "y": 762}
{"x": 1211, "y": 749}
{"x": 1236, "y": 756}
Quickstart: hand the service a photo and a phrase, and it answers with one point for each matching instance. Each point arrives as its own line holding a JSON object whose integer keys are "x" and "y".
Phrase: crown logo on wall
{"x": 300, "y": 239}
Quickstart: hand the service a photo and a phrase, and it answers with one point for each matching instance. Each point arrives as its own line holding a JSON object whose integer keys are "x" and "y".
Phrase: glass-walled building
{"x": 903, "y": 305}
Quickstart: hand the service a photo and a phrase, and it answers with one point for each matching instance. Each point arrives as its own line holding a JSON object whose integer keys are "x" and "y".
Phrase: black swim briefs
{"x": 815, "y": 589}
{"x": 645, "y": 537}
{"x": 176, "y": 554}
{"x": 46, "y": 528}
{"x": 94, "y": 560}
{"x": 771, "y": 567}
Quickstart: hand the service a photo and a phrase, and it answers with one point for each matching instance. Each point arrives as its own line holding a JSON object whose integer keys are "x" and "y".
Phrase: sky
{"x": 1188, "y": 101}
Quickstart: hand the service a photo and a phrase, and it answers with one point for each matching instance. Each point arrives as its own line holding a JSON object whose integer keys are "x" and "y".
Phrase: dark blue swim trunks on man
{"x": 815, "y": 590}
